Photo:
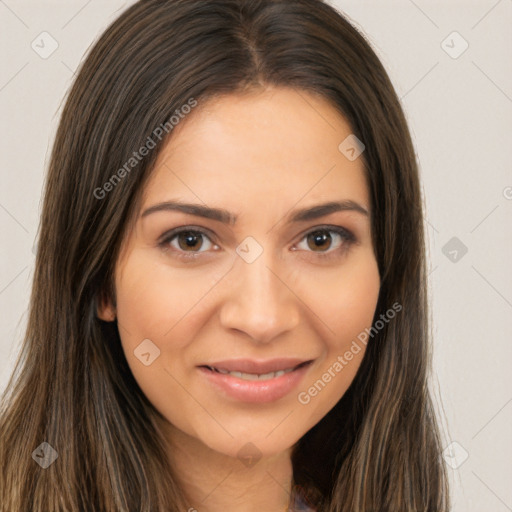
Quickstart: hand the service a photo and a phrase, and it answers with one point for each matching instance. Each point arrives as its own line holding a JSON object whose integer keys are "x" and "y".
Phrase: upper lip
{"x": 257, "y": 366}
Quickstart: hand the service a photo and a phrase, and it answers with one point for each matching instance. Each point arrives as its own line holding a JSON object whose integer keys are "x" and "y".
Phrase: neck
{"x": 214, "y": 482}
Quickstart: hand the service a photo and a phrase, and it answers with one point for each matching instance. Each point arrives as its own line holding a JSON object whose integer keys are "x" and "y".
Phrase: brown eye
{"x": 327, "y": 241}
{"x": 189, "y": 240}
{"x": 319, "y": 240}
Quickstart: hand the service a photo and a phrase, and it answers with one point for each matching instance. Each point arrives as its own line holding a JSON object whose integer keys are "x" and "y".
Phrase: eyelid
{"x": 348, "y": 240}
{"x": 176, "y": 231}
{"x": 165, "y": 240}
{"x": 329, "y": 227}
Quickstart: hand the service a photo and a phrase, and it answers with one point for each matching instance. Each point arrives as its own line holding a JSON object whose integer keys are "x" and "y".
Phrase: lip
{"x": 257, "y": 366}
{"x": 256, "y": 391}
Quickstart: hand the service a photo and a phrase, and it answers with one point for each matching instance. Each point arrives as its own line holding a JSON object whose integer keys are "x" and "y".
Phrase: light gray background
{"x": 460, "y": 114}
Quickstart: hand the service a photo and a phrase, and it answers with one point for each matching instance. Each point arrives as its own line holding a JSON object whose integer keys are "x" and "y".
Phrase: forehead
{"x": 279, "y": 146}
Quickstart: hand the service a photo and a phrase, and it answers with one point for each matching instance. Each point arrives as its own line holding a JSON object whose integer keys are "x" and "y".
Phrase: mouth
{"x": 255, "y": 381}
{"x": 255, "y": 375}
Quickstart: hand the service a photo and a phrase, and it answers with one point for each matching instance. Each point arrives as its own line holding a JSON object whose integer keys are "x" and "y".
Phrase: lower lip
{"x": 255, "y": 391}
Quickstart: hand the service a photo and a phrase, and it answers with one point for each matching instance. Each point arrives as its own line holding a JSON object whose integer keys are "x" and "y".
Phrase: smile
{"x": 255, "y": 386}
{"x": 253, "y": 376}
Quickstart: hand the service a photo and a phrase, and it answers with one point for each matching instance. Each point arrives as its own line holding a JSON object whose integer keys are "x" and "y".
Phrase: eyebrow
{"x": 227, "y": 217}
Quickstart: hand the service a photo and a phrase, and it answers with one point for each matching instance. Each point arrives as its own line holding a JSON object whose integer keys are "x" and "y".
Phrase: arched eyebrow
{"x": 320, "y": 210}
{"x": 226, "y": 217}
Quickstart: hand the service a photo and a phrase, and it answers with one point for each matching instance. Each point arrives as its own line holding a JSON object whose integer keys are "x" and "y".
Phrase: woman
{"x": 228, "y": 309}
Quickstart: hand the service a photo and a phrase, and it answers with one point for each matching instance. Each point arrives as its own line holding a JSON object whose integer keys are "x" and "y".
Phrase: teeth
{"x": 254, "y": 376}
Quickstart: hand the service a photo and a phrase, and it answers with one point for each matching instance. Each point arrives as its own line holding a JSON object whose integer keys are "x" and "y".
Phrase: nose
{"x": 259, "y": 302}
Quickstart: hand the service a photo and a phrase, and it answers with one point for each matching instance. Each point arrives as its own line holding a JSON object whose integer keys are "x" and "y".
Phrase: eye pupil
{"x": 319, "y": 238}
{"x": 190, "y": 240}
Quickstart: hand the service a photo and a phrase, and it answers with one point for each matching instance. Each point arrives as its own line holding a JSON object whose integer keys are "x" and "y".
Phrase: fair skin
{"x": 261, "y": 156}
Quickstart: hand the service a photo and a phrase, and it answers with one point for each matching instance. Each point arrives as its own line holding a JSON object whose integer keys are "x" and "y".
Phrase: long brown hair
{"x": 379, "y": 448}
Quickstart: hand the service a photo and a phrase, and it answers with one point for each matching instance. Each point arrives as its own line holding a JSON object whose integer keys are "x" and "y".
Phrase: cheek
{"x": 170, "y": 307}
{"x": 157, "y": 310}
{"x": 158, "y": 302}
{"x": 166, "y": 306}
{"x": 345, "y": 302}
{"x": 353, "y": 310}
{"x": 343, "y": 299}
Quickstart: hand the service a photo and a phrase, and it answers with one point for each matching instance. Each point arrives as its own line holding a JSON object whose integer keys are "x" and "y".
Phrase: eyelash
{"x": 347, "y": 239}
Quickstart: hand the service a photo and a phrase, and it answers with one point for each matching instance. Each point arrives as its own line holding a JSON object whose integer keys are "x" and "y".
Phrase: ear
{"x": 105, "y": 309}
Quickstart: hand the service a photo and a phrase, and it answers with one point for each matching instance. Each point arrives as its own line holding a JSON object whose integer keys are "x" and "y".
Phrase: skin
{"x": 259, "y": 155}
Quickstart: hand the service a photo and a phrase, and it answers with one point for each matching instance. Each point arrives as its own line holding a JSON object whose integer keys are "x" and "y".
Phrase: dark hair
{"x": 378, "y": 449}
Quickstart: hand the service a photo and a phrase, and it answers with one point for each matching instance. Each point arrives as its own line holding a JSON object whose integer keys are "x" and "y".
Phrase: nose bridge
{"x": 258, "y": 301}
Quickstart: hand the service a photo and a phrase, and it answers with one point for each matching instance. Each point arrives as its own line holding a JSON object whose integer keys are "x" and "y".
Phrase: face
{"x": 254, "y": 279}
